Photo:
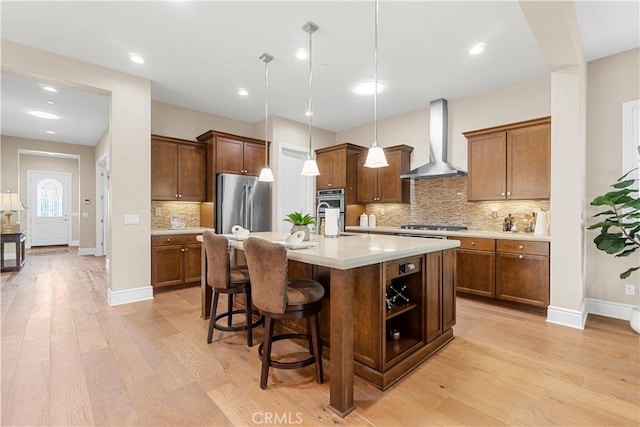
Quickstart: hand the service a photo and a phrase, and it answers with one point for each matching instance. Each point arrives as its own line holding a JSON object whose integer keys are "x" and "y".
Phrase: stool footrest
{"x": 241, "y": 327}
{"x": 288, "y": 365}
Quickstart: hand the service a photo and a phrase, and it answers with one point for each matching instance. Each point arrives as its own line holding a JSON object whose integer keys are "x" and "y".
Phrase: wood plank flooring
{"x": 70, "y": 359}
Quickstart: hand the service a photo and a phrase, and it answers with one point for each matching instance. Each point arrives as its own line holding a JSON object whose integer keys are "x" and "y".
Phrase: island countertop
{"x": 453, "y": 234}
{"x": 352, "y": 250}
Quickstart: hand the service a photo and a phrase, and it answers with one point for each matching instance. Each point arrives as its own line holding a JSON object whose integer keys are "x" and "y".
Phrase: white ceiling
{"x": 199, "y": 53}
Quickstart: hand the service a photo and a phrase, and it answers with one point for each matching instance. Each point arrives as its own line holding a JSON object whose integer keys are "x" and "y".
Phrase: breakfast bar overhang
{"x": 420, "y": 270}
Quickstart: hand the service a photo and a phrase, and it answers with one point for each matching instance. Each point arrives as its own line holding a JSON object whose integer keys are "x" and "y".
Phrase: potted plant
{"x": 300, "y": 222}
{"x": 620, "y": 228}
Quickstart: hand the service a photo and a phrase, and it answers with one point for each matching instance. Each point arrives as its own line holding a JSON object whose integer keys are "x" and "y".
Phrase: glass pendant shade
{"x": 310, "y": 168}
{"x": 376, "y": 157}
{"x": 266, "y": 175}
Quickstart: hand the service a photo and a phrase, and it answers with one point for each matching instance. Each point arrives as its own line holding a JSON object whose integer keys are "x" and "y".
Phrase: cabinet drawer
{"x": 523, "y": 247}
{"x": 479, "y": 244}
{"x": 173, "y": 239}
{"x": 400, "y": 267}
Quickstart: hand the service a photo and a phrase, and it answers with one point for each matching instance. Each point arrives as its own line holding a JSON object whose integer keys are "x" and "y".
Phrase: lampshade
{"x": 310, "y": 167}
{"x": 266, "y": 175}
{"x": 10, "y": 202}
{"x": 375, "y": 156}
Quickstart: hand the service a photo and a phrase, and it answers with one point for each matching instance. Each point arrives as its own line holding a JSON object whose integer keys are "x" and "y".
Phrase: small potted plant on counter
{"x": 300, "y": 222}
{"x": 620, "y": 228}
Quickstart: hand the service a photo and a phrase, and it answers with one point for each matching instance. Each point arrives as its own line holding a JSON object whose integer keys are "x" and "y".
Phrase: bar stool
{"x": 228, "y": 280}
{"x": 278, "y": 297}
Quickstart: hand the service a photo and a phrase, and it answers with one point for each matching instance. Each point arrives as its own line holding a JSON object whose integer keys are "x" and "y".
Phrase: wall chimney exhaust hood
{"x": 437, "y": 166}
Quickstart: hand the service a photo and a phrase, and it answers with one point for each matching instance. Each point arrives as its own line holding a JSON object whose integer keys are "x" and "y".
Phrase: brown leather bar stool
{"x": 225, "y": 279}
{"x": 278, "y": 297}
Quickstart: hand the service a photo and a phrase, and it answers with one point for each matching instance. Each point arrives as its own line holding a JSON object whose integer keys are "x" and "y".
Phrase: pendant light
{"x": 266, "y": 175}
{"x": 310, "y": 167}
{"x": 375, "y": 156}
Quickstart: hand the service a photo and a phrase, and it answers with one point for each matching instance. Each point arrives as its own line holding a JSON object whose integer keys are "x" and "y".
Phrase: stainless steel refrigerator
{"x": 242, "y": 200}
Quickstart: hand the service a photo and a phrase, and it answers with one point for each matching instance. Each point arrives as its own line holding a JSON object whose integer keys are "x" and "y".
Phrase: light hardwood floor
{"x": 68, "y": 358}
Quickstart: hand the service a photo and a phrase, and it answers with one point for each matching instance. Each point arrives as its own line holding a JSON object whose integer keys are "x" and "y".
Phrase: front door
{"x": 49, "y": 207}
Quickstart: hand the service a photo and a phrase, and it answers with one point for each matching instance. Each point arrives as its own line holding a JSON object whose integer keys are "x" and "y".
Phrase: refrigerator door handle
{"x": 249, "y": 220}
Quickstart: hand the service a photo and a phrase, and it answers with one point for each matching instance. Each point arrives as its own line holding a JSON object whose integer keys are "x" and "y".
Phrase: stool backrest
{"x": 267, "y": 264}
{"x": 218, "y": 261}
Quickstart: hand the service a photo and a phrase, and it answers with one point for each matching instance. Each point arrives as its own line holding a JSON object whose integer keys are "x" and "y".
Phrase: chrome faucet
{"x": 318, "y": 215}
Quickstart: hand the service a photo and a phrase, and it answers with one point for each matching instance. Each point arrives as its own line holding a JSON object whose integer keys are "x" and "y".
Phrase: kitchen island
{"x": 381, "y": 338}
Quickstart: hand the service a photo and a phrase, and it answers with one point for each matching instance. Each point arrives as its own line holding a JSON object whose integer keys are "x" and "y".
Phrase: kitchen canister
{"x": 364, "y": 220}
{"x": 372, "y": 221}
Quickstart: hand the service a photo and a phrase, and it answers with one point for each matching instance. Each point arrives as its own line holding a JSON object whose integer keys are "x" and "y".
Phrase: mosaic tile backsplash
{"x": 161, "y": 213}
{"x": 444, "y": 201}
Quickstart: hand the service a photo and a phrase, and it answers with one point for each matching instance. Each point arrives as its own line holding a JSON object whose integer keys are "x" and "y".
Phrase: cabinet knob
{"x": 179, "y": 195}
{"x": 182, "y": 250}
{"x": 175, "y": 195}
{"x": 186, "y": 249}
{"x": 520, "y": 256}
{"x": 520, "y": 247}
{"x": 168, "y": 239}
{"x": 508, "y": 193}
{"x": 473, "y": 243}
{"x": 502, "y": 194}
{"x": 329, "y": 185}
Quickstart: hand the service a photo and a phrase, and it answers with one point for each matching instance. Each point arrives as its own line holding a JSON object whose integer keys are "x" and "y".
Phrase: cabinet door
{"x": 229, "y": 155}
{"x": 448, "y": 289}
{"x": 523, "y": 278}
{"x": 433, "y": 296}
{"x": 164, "y": 170}
{"x": 367, "y": 191}
{"x": 192, "y": 173}
{"x": 192, "y": 262}
{"x": 325, "y": 166}
{"x": 167, "y": 265}
{"x": 253, "y": 158}
{"x": 389, "y": 182}
{"x": 475, "y": 272}
{"x": 529, "y": 163}
{"x": 487, "y": 167}
{"x": 339, "y": 169}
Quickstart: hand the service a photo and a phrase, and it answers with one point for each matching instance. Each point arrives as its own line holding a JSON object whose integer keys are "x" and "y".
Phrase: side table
{"x": 18, "y": 239}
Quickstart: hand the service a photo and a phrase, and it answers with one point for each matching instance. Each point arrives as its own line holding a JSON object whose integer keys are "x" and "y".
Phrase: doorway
{"x": 49, "y": 198}
{"x": 295, "y": 192}
{"x": 102, "y": 207}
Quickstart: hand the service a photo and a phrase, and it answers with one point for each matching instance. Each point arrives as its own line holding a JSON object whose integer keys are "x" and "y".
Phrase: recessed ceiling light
{"x": 243, "y": 92}
{"x": 301, "y": 54}
{"x": 43, "y": 115}
{"x": 308, "y": 114}
{"x": 50, "y": 102}
{"x": 136, "y": 58}
{"x": 366, "y": 87}
{"x": 477, "y": 49}
{"x": 49, "y": 88}
{"x": 50, "y": 132}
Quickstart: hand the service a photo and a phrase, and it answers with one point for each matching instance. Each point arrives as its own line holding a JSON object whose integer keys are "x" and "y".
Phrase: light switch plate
{"x": 132, "y": 219}
{"x": 629, "y": 289}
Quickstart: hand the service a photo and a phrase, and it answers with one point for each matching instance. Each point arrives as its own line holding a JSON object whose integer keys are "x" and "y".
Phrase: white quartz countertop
{"x": 168, "y": 231}
{"x": 454, "y": 234}
{"x": 353, "y": 250}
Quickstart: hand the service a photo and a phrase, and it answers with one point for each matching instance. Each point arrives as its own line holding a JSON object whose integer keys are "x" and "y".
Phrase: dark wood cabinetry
{"x": 239, "y": 156}
{"x": 384, "y": 185}
{"x": 175, "y": 260}
{"x": 522, "y": 272}
{"x": 178, "y": 169}
{"x": 475, "y": 266}
{"x": 510, "y": 162}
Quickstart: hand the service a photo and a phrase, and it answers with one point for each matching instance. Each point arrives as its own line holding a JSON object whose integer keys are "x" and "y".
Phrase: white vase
{"x": 635, "y": 319}
{"x": 304, "y": 228}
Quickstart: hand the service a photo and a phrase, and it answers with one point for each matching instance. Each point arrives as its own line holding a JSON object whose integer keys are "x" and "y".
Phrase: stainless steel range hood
{"x": 437, "y": 166}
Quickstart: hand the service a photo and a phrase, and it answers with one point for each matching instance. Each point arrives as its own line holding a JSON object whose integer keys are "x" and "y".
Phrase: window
{"x": 49, "y": 198}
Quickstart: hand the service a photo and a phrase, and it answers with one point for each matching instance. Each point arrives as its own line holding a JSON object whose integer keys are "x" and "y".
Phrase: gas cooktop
{"x": 433, "y": 227}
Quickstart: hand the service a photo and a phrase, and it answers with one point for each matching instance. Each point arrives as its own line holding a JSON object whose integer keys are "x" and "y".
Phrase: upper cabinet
{"x": 384, "y": 185}
{"x": 337, "y": 166}
{"x": 235, "y": 154}
{"x": 510, "y": 162}
{"x": 178, "y": 169}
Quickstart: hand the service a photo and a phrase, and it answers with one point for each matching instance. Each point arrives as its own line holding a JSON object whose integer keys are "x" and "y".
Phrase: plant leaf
{"x": 632, "y": 170}
{"x": 627, "y": 252}
{"x": 624, "y": 184}
{"x": 628, "y": 272}
{"x": 609, "y": 212}
{"x": 610, "y": 243}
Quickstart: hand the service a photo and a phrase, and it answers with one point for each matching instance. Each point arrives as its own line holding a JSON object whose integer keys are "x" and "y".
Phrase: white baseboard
{"x": 612, "y": 309}
{"x": 86, "y": 251}
{"x": 127, "y": 296}
{"x": 567, "y": 317}
{"x": 75, "y": 243}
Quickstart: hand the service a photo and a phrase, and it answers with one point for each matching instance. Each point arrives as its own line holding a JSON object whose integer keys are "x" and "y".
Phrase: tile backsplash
{"x": 444, "y": 201}
{"x": 161, "y": 213}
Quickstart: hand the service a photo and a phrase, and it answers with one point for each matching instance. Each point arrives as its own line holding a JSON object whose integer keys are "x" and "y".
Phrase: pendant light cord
{"x": 310, "y": 91}
{"x": 266, "y": 112}
{"x": 375, "y": 87}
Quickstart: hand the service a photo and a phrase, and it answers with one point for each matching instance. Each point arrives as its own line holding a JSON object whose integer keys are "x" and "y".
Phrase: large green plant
{"x": 297, "y": 218}
{"x": 620, "y": 228}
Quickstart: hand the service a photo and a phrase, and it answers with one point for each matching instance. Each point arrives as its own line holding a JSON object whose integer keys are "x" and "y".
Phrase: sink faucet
{"x": 318, "y": 214}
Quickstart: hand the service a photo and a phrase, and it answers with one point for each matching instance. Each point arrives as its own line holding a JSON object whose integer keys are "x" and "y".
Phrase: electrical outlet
{"x": 629, "y": 289}
{"x": 158, "y": 211}
{"x": 132, "y": 219}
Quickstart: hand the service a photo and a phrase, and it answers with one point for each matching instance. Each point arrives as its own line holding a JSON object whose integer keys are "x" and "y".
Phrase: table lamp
{"x": 9, "y": 203}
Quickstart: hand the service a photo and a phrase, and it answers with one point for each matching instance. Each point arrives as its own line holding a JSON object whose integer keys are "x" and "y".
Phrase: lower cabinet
{"x": 175, "y": 260}
{"x": 503, "y": 269}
